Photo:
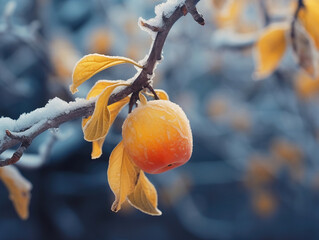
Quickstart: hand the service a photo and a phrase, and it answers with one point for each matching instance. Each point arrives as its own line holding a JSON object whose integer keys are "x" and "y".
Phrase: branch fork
{"x": 25, "y": 143}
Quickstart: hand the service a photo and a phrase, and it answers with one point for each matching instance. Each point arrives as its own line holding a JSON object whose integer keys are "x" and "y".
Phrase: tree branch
{"x": 85, "y": 108}
{"x": 293, "y": 23}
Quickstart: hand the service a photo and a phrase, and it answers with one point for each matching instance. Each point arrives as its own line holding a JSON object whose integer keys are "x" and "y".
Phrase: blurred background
{"x": 254, "y": 169}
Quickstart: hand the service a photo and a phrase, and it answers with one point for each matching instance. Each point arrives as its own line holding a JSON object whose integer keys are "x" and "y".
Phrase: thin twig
{"x": 149, "y": 87}
{"x": 191, "y": 8}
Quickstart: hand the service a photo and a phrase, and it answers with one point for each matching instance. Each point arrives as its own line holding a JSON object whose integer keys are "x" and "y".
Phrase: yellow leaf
{"x": 99, "y": 86}
{"x": 142, "y": 98}
{"x": 114, "y": 109}
{"x": 270, "y": 48}
{"x": 144, "y": 196}
{"x": 98, "y": 125}
{"x": 162, "y": 94}
{"x": 91, "y": 64}
{"x": 97, "y": 148}
{"x": 19, "y": 189}
{"x": 309, "y": 17}
{"x": 122, "y": 175}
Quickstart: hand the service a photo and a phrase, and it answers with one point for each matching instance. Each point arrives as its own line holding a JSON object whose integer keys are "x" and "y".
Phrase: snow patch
{"x": 33, "y": 120}
{"x": 161, "y": 10}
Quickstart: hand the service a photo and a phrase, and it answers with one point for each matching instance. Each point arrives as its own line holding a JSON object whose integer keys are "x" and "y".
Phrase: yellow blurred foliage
{"x": 241, "y": 121}
{"x": 100, "y": 41}
{"x": 218, "y": 107}
{"x": 270, "y": 49}
{"x": 264, "y": 203}
{"x": 288, "y": 152}
{"x": 63, "y": 57}
{"x": 223, "y": 110}
{"x": 309, "y": 17}
{"x": 260, "y": 171}
{"x": 19, "y": 189}
{"x": 218, "y": 4}
{"x": 227, "y": 14}
{"x": 305, "y": 86}
{"x": 178, "y": 188}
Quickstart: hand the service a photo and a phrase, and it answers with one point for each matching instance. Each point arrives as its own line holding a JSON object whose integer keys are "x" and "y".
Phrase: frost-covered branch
{"x": 57, "y": 112}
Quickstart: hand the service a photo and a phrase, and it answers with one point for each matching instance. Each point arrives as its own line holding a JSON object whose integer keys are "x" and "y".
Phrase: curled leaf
{"x": 97, "y": 148}
{"x": 304, "y": 49}
{"x": 142, "y": 98}
{"x": 91, "y": 64}
{"x": 122, "y": 175}
{"x": 309, "y": 17}
{"x": 114, "y": 109}
{"x": 144, "y": 196}
{"x": 162, "y": 94}
{"x": 269, "y": 50}
{"x": 98, "y": 125}
{"x": 19, "y": 189}
{"x": 99, "y": 87}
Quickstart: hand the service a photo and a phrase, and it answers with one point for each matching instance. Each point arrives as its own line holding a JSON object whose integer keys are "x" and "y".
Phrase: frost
{"x": 33, "y": 120}
{"x": 167, "y": 9}
{"x": 161, "y": 10}
{"x": 144, "y": 60}
{"x": 229, "y": 38}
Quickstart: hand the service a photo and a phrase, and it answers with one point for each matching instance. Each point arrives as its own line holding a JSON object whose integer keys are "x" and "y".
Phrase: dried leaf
{"x": 309, "y": 17}
{"x": 91, "y": 64}
{"x": 19, "y": 189}
{"x": 270, "y": 48}
{"x": 122, "y": 175}
{"x": 144, "y": 196}
{"x": 98, "y": 125}
{"x": 305, "y": 50}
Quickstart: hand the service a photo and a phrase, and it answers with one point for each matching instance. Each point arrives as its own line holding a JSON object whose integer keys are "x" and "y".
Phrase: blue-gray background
{"x": 253, "y": 173}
